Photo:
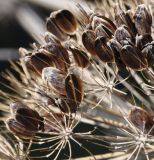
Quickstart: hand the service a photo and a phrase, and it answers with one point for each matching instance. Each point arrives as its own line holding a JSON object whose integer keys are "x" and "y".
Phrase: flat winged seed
{"x": 88, "y": 40}
{"x": 143, "y": 40}
{"x": 141, "y": 119}
{"x": 54, "y": 29}
{"x": 143, "y": 19}
{"x": 132, "y": 58}
{"x": 55, "y": 79}
{"x": 148, "y": 52}
{"x": 74, "y": 88}
{"x": 103, "y": 51}
{"x": 122, "y": 35}
{"x": 80, "y": 57}
{"x": 19, "y": 129}
{"x": 66, "y": 21}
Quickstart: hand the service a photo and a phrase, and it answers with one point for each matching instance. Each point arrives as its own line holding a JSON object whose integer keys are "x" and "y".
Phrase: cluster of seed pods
{"x": 127, "y": 40}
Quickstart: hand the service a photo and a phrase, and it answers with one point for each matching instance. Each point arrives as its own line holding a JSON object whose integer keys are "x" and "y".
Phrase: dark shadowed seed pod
{"x": 55, "y": 79}
{"x": 19, "y": 129}
{"x": 103, "y": 51}
{"x": 27, "y": 117}
{"x": 143, "y": 19}
{"x": 116, "y": 49}
{"x": 124, "y": 18}
{"x": 38, "y": 61}
{"x": 132, "y": 58}
{"x": 122, "y": 35}
{"x": 54, "y": 29}
{"x": 143, "y": 40}
{"x": 88, "y": 40}
{"x": 74, "y": 88}
{"x": 65, "y": 20}
{"x": 141, "y": 119}
{"x": 148, "y": 52}
{"x": 80, "y": 57}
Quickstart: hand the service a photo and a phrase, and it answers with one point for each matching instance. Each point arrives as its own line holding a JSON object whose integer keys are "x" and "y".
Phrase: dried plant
{"x": 94, "y": 67}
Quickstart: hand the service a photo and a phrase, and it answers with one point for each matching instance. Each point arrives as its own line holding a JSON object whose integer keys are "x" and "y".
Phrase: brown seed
{"x": 19, "y": 129}
{"x": 122, "y": 35}
{"x": 54, "y": 29}
{"x": 74, "y": 88}
{"x": 88, "y": 40}
{"x": 143, "y": 19}
{"x": 66, "y": 21}
{"x": 55, "y": 79}
{"x": 141, "y": 119}
{"x": 132, "y": 58}
{"x": 103, "y": 51}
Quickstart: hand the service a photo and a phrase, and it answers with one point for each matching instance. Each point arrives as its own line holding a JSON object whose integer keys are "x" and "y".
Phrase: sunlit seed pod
{"x": 141, "y": 119}
{"x": 74, "y": 88}
{"x": 143, "y": 19}
{"x": 19, "y": 129}
{"x": 116, "y": 49}
{"x": 99, "y": 19}
{"x": 102, "y": 31}
{"x": 80, "y": 57}
{"x": 148, "y": 52}
{"x": 143, "y": 40}
{"x": 88, "y": 40}
{"x": 55, "y": 79}
{"x": 103, "y": 51}
{"x": 65, "y": 20}
{"x": 122, "y": 34}
{"x": 124, "y": 18}
{"x": 132, "y": 58}
{"x": 26, "y": 116}
{"x": 54, "y": 29}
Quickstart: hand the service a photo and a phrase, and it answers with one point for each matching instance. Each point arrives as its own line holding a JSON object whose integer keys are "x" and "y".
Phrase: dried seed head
{"x": 132, "y": 58}
{"x": 65, "y": 20}
{"x": 55, "y": 79}
{"x": 74, "y": 88}
{"x": 143, "y": 19}
{"x": 88, "y": 40}
{"x": 103, "y": 51}
{"x": 122, "y": 35}
{"x": 19, "y": 129}
{"x": 141, "y": 119}
{"x": 54, "y": 29}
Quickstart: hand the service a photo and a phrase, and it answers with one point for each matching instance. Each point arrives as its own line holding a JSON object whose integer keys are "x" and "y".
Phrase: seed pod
{"x": 141, "y": 119}
{"x": 88, "y": 40}
{"x": 107, "y": 23}
{"x": 54, "y": 29}
{"x": 51, "y": 38}
{"x": 143, "y": 40}
{"x": 116, "y": 49}
{"x": 122, "y": 35}
{"x": 65, "y": 20}
{"x": 80, "y": 57}
{"x": 132, "y": 58}
{"x": 74, "y": 88}
{"x": 103, "y": 51}
{"x": 38, "y": 61}
{"x": 102, "y": 31}
{"x": 148, "y": 52}
{"x": 143, "y": 19}
{"x": 55, "y": 79}
{"x": 19, "y": 129}
{"x": 27, "y": 117}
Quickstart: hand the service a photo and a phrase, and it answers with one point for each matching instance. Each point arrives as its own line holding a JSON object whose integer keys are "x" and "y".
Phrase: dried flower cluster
{"x": 94, "y": 68}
